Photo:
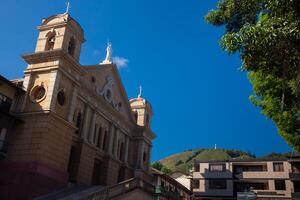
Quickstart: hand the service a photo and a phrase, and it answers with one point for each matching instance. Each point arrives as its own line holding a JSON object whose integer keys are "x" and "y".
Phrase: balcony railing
{"x": 161, "y": 191}
{"x": 261, "y": 175}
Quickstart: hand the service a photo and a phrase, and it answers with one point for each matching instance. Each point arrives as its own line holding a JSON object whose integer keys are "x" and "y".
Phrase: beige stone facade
{"x": 78, "y": 124}
{"x": 267, "y": 179}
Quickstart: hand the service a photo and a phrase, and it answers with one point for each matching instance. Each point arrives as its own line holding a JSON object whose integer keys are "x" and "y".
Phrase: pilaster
{"x": 126, "y": 149}
{"x": 115, "y": 144}
{"x": 85, "y": 128}
{"x": 73, "y": 102}
{"x": 26, "y": 83}
{"x": 111, "y": 139}
{"x": 91, "y": 131}
{"x": 53, "y": 89}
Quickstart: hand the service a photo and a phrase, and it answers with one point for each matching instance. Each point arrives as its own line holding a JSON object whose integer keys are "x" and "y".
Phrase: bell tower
{"x": 53, "y": 69}
{"x": 60, "y": 32}
{"x": 142, "y": 110}
{"x": 52, "y": 79}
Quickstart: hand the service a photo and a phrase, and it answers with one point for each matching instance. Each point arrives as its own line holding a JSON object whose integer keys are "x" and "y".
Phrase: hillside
{"x": 184, "y": 161}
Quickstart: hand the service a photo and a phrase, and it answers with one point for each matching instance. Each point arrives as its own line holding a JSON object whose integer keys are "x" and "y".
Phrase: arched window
{"x": 104, "y": 140}
{"x": 95, "y": 133}
{"x": 50, "y": 42}
{"x": 136, "y": 116}
{"x": 78, "y": 121}
{"x": 71, "y": 46}
{"x": 99, "y": 136}
{"x": 147, "y": 120}
{"x": 121, "y": 152}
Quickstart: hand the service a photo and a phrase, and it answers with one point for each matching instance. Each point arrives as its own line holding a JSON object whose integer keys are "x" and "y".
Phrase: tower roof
{"x": 59, "y": 20}
{"x": 140, "y": 101}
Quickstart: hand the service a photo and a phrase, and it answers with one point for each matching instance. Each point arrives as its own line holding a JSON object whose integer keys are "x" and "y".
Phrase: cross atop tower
{"x": 68, "y": 7}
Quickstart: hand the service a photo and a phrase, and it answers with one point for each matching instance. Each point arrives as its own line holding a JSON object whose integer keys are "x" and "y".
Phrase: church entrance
{"x": 97, "y": 180}
{"x": 73, "y": 164}
{"x": 121, "y": 175}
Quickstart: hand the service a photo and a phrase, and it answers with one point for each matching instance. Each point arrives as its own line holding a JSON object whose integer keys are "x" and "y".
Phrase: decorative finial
{"x": 140, "y": 92}
{"x": 68, "y": 7}
{"x": 108, "y": 58}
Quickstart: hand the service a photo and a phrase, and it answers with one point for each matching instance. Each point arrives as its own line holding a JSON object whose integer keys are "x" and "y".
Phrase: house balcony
{"x": 270, "y": 193}
{"x": 261, "y": 175}
{"x": 206, "y": 174}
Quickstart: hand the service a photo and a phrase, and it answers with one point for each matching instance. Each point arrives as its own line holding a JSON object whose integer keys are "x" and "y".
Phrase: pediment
{"x": 107, "y": 84}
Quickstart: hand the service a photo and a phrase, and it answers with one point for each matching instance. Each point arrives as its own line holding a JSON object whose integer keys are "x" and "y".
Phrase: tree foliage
{"x": 266, "y": 34}
{"x": 161, "y": 167}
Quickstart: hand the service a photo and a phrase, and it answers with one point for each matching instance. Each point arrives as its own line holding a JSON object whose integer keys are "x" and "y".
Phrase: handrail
{"x": 121, "y": 188}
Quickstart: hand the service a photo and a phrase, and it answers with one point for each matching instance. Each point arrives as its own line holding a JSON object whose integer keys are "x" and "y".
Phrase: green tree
{"x": 266, "y": 35}
{"x": 161, "y": 167}
{"x": 165, "y": 170}
{"x": 157, "y": 165}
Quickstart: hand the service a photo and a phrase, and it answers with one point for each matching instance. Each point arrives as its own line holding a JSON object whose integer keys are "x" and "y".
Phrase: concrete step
{"x": 71, "y": 192}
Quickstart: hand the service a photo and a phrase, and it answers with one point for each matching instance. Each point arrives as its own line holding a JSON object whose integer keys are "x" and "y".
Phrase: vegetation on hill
{"x": 266, "y": 34}
{"x": 184, "y": 161}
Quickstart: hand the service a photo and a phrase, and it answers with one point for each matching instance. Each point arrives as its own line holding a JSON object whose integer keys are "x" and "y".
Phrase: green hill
{"x": 184, "y": 161}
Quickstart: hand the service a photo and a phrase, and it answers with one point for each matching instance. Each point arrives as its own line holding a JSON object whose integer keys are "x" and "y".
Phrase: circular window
{"x": 38, "y": 93}
{"x": 61, "y": 98}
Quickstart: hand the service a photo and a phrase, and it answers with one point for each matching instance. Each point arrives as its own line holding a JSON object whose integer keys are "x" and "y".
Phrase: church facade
{"x": 76, "y": 124}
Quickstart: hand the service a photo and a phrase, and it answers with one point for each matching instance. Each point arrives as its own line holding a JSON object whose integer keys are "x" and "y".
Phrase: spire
{"x": 68, "y": 8}
{"x": 108, "y": 58}
{"x": 140, "y": 92}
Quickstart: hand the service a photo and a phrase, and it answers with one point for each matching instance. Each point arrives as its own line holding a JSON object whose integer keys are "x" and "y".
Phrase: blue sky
{"x": 199, "y": 96}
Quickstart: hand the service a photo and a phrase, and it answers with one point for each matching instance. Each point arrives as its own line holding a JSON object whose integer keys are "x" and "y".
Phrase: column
{"x": 52, "y": 89}
{"x": 140, "y": 154}
{"x": 149, "y": 156}
{"x": 85, "y": 127}
{"x": 126, "y": 149}
{"x": 97, "y": 137}
{"x": 26, "y": 83}
{"x": 73, "y": 102}
{"x": 111, "y": 139}
{"x": 91, "y": 131}
{"x": 115, "y": 144}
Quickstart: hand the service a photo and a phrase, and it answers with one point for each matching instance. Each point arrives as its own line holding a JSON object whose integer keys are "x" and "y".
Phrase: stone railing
{"x": 121, "y": 188}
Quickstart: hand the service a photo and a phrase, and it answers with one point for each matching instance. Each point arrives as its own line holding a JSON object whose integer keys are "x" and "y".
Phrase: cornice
{"x": 47, "y": 56}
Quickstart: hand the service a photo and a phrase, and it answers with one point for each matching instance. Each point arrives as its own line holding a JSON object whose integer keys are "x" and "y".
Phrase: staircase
{"x": 76, "y": 192}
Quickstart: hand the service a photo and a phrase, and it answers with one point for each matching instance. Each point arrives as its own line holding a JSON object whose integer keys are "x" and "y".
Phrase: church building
{"x": 74, "y": 124}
